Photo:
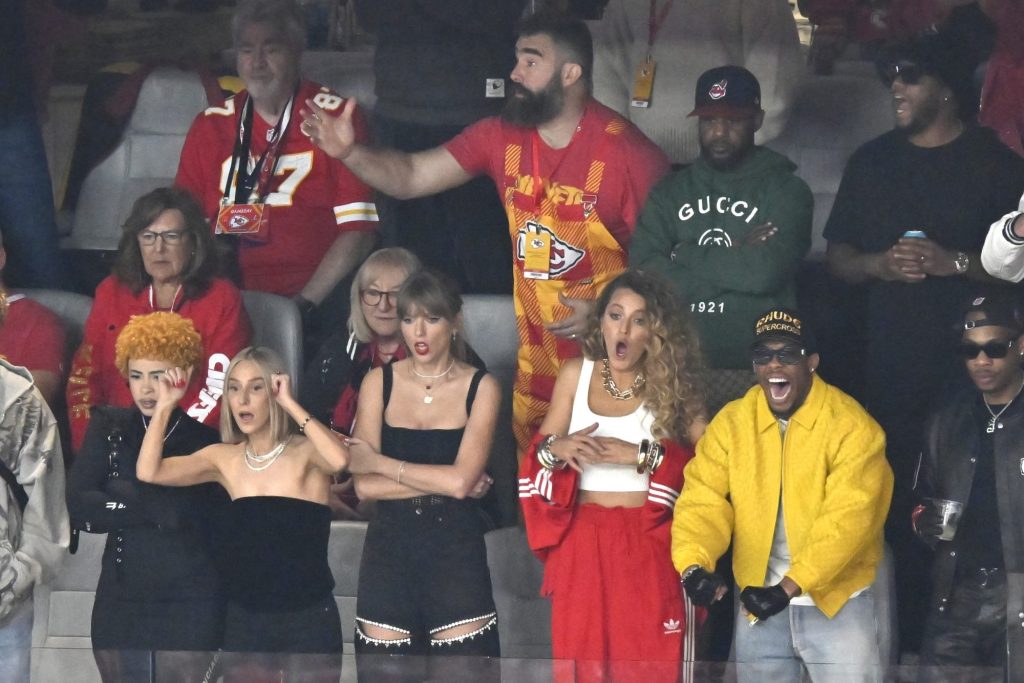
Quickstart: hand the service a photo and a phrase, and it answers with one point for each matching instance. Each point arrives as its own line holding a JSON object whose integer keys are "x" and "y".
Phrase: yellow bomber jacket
{"x": 835, "y": 482}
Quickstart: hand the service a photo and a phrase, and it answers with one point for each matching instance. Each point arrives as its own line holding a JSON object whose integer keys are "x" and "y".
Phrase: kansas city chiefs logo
{"x": 564, "y": 256}
{"x": 717, "y": 91}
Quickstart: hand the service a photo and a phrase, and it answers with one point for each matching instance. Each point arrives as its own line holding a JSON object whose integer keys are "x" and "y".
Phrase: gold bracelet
{"x": 401, "y": 469}
{"x": 657, "y": 457}
{"x": 643, "y": 454}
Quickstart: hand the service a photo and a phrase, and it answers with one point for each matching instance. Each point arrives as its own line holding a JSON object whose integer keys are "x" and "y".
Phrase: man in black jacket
{"x": 975, "y": 458}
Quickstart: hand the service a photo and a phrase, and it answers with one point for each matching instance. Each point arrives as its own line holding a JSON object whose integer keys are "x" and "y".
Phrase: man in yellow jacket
{"x": 795, "y": 475}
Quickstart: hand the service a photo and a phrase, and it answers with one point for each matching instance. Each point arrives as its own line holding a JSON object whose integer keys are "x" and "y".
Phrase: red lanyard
{"x": 655, "y": 20}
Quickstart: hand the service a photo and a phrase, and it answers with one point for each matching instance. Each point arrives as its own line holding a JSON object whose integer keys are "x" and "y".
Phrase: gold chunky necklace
{"x": 613, "y": 390}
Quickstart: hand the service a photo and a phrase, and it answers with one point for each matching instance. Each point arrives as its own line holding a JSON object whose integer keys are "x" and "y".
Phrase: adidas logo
{"x": 671, "y": 626}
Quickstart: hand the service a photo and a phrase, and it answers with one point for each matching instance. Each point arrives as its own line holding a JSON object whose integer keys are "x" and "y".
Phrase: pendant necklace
{"x": 428, "y": 399}
{"x": 613, "y": 390}
{"x": 991, "y": 428}
{"x": 257, "y": 462}
{"x": 145, "y": 426}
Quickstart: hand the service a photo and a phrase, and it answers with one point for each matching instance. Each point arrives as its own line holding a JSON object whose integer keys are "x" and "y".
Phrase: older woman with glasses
{"x": 166, "y": 261}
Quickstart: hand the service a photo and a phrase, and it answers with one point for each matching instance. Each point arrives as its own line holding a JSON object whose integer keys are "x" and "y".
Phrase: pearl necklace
{"x": 428, "y": 399}
{"x": 613, "y": 390}
{"x": 269, "y": 457}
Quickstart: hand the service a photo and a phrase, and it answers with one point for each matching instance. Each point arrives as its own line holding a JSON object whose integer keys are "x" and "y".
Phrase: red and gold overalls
{"x": 584, "y": 257}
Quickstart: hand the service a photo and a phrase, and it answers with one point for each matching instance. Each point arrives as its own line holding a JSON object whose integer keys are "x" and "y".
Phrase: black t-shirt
{"x": 953, "y": 193}
{"x": 978, "y": 533}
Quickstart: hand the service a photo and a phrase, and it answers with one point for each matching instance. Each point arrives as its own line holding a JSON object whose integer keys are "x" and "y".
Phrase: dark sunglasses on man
{"x": 993, "y": 349}
{"x": 790, "y": 354}
{"x": 908, "y": 72}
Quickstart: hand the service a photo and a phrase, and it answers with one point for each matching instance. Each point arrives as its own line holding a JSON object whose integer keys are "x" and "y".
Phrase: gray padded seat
{"x": 490, "y": 328}
{"x": 831, "y": 117}
{"x": 524, "y": 617}
{"x": 344, "y": 553}
{"x": 146, "y": 158}
{"x": 63, "y": 616}
{"x": 276, "y": 323}
{"x": 71, "y": 308}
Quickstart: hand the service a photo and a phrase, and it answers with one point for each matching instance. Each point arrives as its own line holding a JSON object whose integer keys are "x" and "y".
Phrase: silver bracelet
{"x": 545, "y": 457}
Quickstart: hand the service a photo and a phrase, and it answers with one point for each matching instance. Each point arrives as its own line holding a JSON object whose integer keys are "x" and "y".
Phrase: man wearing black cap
{"x": 794, "y": 474}
{"x": 729, "y": 231}
{"x": 908, "y": 223}
{"x": 973, "y": 466}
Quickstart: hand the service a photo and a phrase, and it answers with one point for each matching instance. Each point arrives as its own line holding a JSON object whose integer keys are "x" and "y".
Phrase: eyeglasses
{"x": 372, "y": 297}
{"x": 909, "y": 73}
{"x": 992, "y": 349}
{"x": 148, "y": 238}
{"x": 787, "y": 355}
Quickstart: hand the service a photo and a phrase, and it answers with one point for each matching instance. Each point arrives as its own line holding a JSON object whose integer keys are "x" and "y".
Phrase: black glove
{"x": 764, "y": 601}
{"x": 928, "y": 522}
{"x": 702, "y": 586}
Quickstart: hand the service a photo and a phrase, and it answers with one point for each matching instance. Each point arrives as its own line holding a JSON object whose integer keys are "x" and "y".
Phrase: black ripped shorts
{"x": 424, "y": 569}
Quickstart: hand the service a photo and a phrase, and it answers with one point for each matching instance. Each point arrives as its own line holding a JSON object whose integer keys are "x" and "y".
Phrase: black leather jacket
{"x": 947, "y": 471}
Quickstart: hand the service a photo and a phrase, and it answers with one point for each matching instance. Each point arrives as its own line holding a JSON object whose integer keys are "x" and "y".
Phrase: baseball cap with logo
{"x": 994, "y": 307}
{"x": 783, "y": 324}
{"x": 728, "y": 92}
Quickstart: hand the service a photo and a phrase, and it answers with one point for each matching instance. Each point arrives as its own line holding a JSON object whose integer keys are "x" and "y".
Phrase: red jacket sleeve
{"x": 547, "y": 498}
{"x": 665, "y": 486}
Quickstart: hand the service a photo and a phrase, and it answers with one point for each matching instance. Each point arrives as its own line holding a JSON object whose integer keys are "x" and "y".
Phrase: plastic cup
{"x": 951, "y": 510}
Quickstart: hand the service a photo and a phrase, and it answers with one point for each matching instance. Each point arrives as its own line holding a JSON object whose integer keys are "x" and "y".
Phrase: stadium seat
{"x": 146, "y": 158}
{"x": 490, "y": 328}
{"x": 61, "y": 648}
{"x": 71, "y": 308}
{"x": 276, "y": 323}
{"x": 831, "y": 117}
{"x": 344, "y": 553}
{"x": 524, "y": 617}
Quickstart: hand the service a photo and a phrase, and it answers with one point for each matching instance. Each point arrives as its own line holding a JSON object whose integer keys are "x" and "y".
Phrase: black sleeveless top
{"x": 277, "y": 550}
{"x": 423, "y": 446}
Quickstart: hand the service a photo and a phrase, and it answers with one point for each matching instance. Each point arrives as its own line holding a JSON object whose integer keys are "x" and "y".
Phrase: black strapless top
{"x": 423, "y": 446}
{"x": 276, "y": 552}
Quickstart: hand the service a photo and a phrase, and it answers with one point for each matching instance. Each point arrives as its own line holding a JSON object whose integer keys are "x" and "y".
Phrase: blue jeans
{"x": 26, "y": 205}
{"x": 843, "y": 648}
{"x": 16, "y": 643}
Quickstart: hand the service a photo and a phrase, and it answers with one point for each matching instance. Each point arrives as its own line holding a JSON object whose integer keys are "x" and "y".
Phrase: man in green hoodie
{"x": 729, "y": 231}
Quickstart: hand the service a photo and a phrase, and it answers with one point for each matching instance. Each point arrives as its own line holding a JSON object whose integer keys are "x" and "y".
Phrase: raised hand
{"x": 171, "y": 388}
{"x": 335, "y": 135}
{"x": 281, "y": 387}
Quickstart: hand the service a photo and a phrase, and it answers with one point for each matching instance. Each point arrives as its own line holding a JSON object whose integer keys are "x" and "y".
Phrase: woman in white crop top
{"x": 600, "y": 480}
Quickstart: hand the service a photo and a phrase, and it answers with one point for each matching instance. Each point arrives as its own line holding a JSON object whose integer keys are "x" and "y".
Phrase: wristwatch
{"x": 961, "y": 262}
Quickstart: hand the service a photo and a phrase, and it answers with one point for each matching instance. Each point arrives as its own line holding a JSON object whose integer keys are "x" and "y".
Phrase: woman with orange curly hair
{"x": 158, "y": 587}
{"x": 600, "y": 480}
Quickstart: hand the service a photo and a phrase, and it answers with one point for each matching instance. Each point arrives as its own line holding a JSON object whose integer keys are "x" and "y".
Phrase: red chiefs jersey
{"x": 311, "y": 197}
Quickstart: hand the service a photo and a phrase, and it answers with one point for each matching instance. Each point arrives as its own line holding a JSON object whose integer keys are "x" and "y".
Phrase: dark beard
{"x": 533, "y": 109}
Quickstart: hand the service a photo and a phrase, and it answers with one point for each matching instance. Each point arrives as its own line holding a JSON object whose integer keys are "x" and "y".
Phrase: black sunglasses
{"x": 992, "y": 349}
{"x": 908, "y": 72}
{"x": 787, "y": 355}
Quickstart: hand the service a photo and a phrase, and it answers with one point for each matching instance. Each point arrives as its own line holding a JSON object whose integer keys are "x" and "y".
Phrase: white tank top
{"x": 632, "y": 428}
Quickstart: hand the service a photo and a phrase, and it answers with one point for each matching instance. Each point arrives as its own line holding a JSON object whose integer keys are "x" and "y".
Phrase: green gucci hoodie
{"x": 692, "y": 230}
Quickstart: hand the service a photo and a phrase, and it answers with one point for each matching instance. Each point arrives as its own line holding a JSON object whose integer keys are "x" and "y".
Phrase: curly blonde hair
{"x": 158, "y": 336}
{"x": 675, "y": 391}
